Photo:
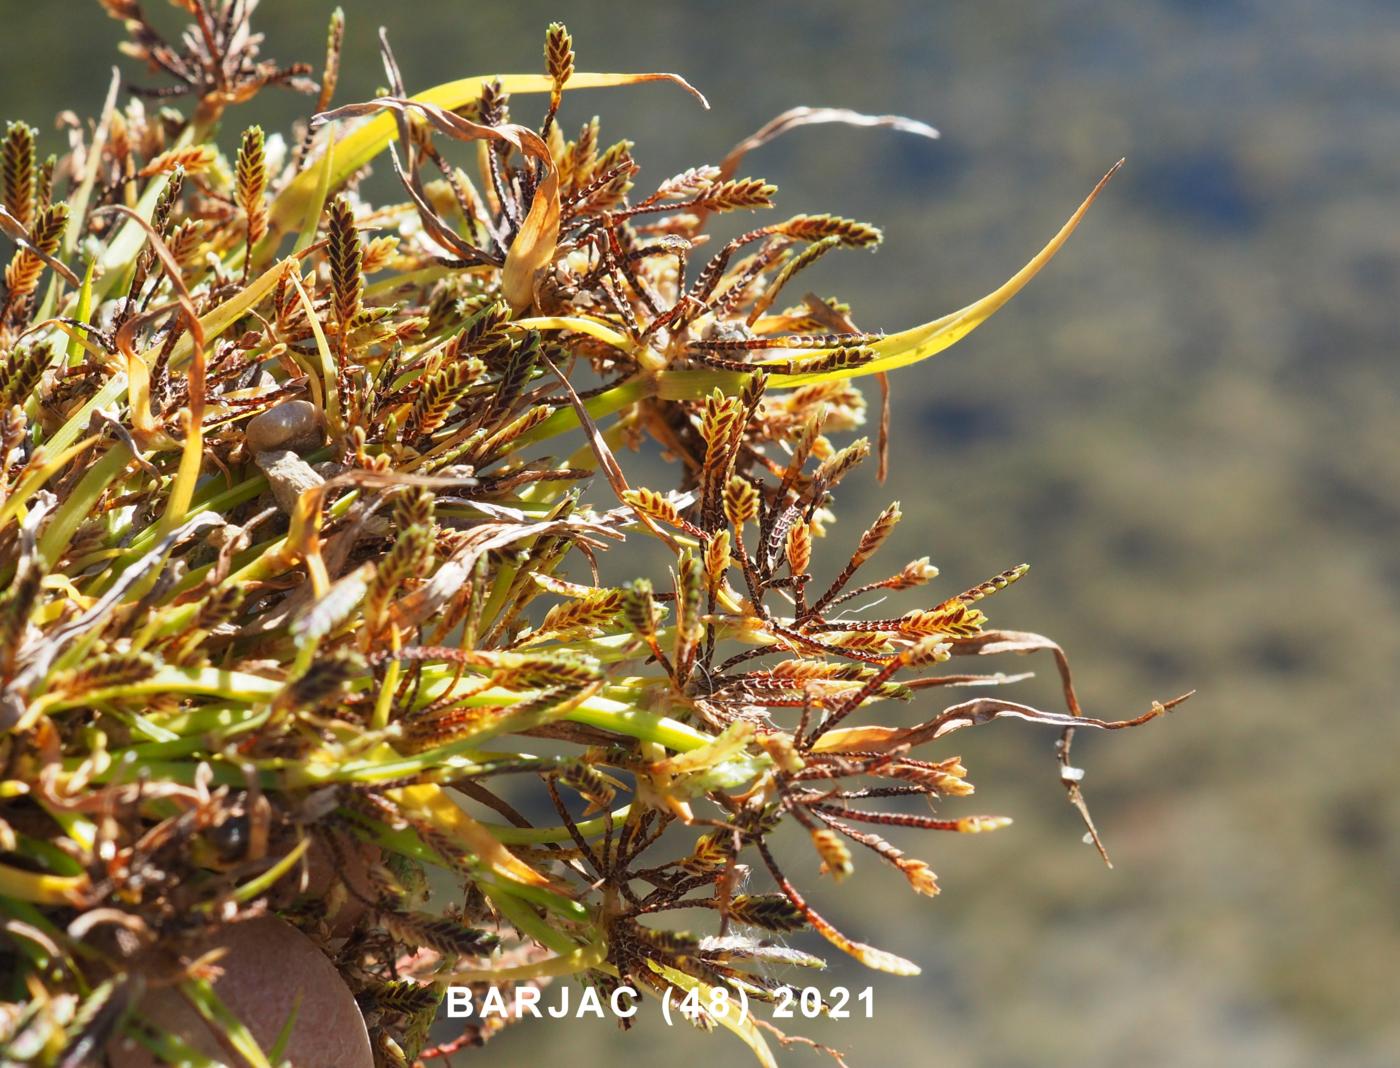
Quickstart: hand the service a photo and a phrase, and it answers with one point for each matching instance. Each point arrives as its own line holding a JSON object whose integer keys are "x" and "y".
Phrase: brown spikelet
{"x": 611, "y": 180}
{"x": 836, "y": 858}
{"x": 874, "y": 537}
{"x": 956, "y": 620}
{"x": 378, "y": 254}
{"x": 719, "y": 424}
{"x": 921, "y": 877}
{"x": 330, "y": 75}
{"x": 324, "y": 680}
{"x": 43, "y": 194}
{"x": 559, "y": 64}
{"x": 992, "y": 585}
{"x": 250, "y": 178}
{"x": 772, "y": 912}
{"x": 431, "y": 731}
{"x": 740, "y": 501}
{"x": 438, "y": 395}
{"x": 165, "y": 205}
{"x": 799, "y": 548}
{"x": 947, "y": 778}
{"x": 220, "y": 607}
{"x": 415, "y": 506}
{"x": 736, "y": 195}
{"x": 915, "y": 573}
{"x": 18, "y": 168}
{"x": 639, "y": 608}
{"x": 658, "y": 507}
{"x": 929, "y": 650}
{"x": 593, "y": 611}
{"x": 583, "y": 158}
{"x": 869, "y": 641}
{"x": 20, "y": 372}
{"x": 405, "y": 996}
{"x": 345, "y": 254}
{"x": 839, "y": 465}
{"x": 847, "y": 232}
{"x": 558, "y": 54}
{"x": 843, "y": 358}
{"x": 442, "y": 933}
{"x": 109, "y": 669}
{"x": 712, "y": 851}
{"x": 790, "y": 269}
{"x": 517, "y": 371}
{"x": 483, "y": 330}
{"x": 686, "y": 184}
{"x": 494, "y": 104}
{"x": 194, "y": 160}
{"x": 16, "y": 605}
{"x": 22, "y": 274}
{"x": 185, "y": 241}
{"x": 412, "y": 554}
{"x": 690, "y": 625}
{"x": 589, "y": 782}
{"x": 521, "y": 424}
{"x": 717, "y": 559}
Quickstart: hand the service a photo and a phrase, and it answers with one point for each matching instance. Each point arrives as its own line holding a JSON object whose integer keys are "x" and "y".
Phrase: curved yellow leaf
{"x": 910, "y": 346}
{"x": 732, "y": 1018}
{"x": 897, "y": 350}
{"x": 360, "y": 146}
{"x": 41, "y": 887}
{"x": 430, "y": 802}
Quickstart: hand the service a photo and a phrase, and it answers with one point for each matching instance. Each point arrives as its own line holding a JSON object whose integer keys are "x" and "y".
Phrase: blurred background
{"x": 1187, "y": 425}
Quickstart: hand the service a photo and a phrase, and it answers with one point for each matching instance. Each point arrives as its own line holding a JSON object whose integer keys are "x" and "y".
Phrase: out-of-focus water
{"x": 1186, "y": 425}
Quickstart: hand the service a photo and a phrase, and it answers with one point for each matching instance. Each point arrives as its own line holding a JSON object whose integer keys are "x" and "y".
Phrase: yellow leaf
{"x": 897, "y": 350}
{"x": 361, "y": 145}
{"x": 731, "y": 1018}
{"x": 430, "y": 802}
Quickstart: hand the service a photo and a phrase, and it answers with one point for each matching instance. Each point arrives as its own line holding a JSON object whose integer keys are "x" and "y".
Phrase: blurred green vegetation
{"x": 1187, "y": 425}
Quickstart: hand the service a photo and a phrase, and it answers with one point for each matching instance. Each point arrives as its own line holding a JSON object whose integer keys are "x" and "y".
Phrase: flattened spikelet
{"x": 440, "y": 392}
{"x": 251, "y": 181}
{"x": 653, "y": 504}
{"x": 335, "y": 39}
{"x": 594, "y": 611}
{"x": 344, "y": 252}
{"x": 22, "y": 275}
{"x": 108, "y": 669}
{"x": 442, "y": 933}
{"x": 193, "y": 160}
{"x": 20, "y": 372}
{"x": 639, "y": 608}
{"x": 737, "y": 195}
{"x": 836, "y": 858}
{"x": 740, "y": 501}
{"x": 558, "y": 54}
{"x": 993, "y": 584}
{"x": 847, "y": 232}
{"x": 18, "y": 172}
{"x": 958, "y": 620}
{"x": 772, "y": 912}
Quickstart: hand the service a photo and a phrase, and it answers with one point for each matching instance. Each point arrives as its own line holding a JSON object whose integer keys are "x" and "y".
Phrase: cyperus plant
{"x": 291, "y": 526}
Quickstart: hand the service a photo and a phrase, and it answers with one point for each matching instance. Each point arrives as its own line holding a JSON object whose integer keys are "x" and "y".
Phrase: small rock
{"x": 294, "y": 425}
{"x": 288, "y": 475}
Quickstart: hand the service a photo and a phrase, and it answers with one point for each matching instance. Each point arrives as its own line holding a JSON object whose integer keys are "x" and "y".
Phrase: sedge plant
{"x": 300, "y": 501}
